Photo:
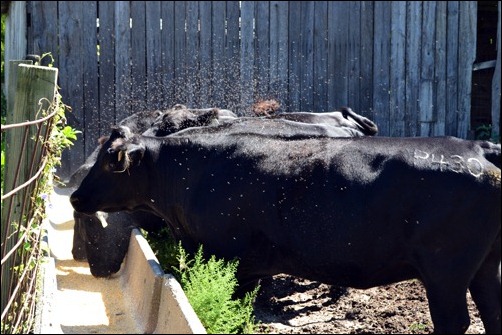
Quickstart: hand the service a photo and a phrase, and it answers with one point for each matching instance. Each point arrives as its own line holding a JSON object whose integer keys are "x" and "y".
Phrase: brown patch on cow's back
{"x": 265, "y": 107}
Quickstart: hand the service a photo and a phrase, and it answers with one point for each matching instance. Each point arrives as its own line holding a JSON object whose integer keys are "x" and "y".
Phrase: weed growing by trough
{"x": 208, "y": 284}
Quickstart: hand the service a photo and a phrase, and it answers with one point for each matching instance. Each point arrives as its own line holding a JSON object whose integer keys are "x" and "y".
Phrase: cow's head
{"x": 123, "y": 150}
{"x": 105, "y": 240}
{"x": 117, "y": 168}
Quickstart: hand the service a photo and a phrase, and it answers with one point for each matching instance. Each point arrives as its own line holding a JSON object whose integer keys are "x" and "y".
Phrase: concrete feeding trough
{"x": 139, "y": 299}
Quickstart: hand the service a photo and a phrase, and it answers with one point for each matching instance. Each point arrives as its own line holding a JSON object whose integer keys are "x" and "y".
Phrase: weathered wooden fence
{"x": 405, "y": 64}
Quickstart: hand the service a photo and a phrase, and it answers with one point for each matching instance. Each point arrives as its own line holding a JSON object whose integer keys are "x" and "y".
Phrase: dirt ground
{"x": 290, "y": 305}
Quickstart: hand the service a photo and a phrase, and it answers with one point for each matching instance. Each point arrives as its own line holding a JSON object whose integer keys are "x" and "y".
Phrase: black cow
{"x": 280, "y": 127}
{"x": 299, "y": 124}
{"x": 101, "y": 239}
{"x": 355, "y": 212}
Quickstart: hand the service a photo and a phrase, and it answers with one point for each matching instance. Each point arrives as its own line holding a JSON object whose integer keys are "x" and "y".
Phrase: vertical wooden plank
{"x": 218, "y": 45}
{"x": 232, "y": 56}
{"x": 180, "y": 74}
{"x": 35, "y": 91}
{"x": 247, "y": 55}
{"x": 426, "y": 101}
{"x": 122, "y": 60}
{"x": 413, "y": 59}
{"x": 353, "y": 55}
{"x": 17, "y": 111}
{"x": 16, "y": 32}
{"x": 205, "y": 72}
{"x": 167, "y": 46}
{"x": 381, "y": 68}
{"x": 440, "y": 69}
{"x": 11, "y": 93}
{"x": 154, "y": 94}
{"x": 106, "y": 12}
{"x": 279, "y": 51}
{"x": 366, "y": 55}
{"x": 138, "y": 56}
{"x": 495, "y": 112}
{"x": 467, "y": 55}
{"x": 452, "y": 69}
{"x": 262, "y": 52}
{"x": 13, "y": 140}
{"x": 70, "y": 66}
{"x": 43, "y": 29}
{"x": 192, "y": 54}
{"x": 397, "y": 64}
{"x": 320, "y": 92}
{"x": 294, "y": 71}
{"x": 338, "y": 22}
{"x": 43, "y": 38}
{"x": 90, "y": 70}
{"x": 307, "y": 56}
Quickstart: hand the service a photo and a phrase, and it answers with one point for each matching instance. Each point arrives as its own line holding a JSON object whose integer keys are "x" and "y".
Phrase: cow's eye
{"x": 112, "y": 166}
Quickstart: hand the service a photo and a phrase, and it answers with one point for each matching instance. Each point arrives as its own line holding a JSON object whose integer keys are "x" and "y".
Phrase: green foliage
{"x": 209, "y": 287}
{"x": 484, "y": 132}
{"x": 418, "y": 328}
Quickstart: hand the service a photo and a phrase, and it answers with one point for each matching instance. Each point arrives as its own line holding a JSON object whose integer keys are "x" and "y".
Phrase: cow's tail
{"x": 367, "y": 126}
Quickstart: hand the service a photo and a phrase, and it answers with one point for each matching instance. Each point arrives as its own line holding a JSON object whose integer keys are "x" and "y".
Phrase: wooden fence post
{"x": 35, "y": 90}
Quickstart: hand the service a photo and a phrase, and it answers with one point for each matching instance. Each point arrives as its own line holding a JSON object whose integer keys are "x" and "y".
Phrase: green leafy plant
{"x": 485, "y": 132}
{"x": 418, "y": 328}
{"x": 209, "y": 286}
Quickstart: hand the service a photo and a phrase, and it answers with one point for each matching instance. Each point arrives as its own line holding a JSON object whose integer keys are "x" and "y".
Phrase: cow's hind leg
{"x": 485, "y": 290}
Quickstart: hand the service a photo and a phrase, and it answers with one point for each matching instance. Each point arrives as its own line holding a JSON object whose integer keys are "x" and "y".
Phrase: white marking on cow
{"x": 455, "y": 163}
{"x": 475, "y": 167}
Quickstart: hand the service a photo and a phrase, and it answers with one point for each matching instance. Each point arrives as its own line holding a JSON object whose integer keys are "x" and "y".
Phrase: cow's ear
{"x": 135, "y": 153}
{"x": 119, "y": 131}
{"x": 103, "y": 139}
